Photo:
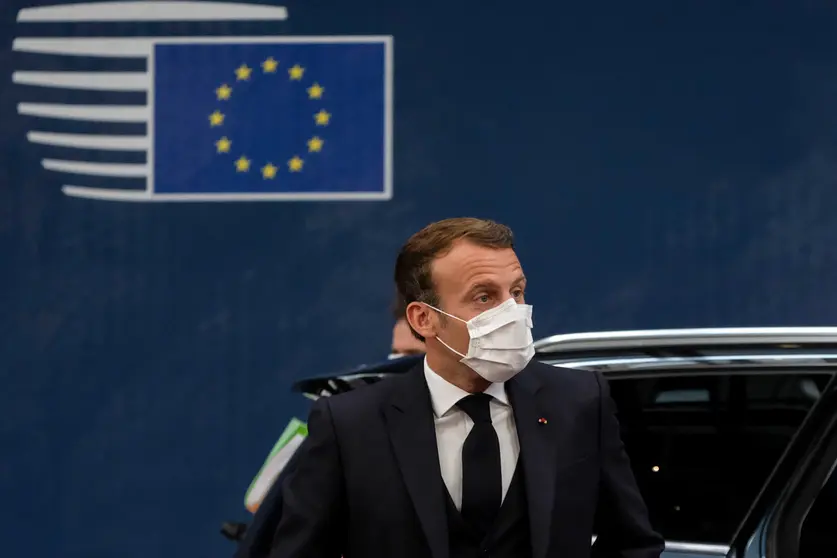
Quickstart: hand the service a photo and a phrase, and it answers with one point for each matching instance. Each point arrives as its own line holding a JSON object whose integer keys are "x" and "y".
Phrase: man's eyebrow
{"x": 482, "y": 285}
{"x": 519, "y": 280}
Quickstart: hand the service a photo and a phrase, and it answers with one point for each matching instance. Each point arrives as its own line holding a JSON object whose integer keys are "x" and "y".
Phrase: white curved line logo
{"x": 64, "y": 118}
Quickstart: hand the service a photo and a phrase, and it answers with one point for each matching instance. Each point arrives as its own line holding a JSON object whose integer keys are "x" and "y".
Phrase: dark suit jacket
{"x": 369, "y": 485}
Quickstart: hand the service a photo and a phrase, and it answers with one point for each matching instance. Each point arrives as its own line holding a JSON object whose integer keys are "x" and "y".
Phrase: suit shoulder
{"x": 560, "y": 377}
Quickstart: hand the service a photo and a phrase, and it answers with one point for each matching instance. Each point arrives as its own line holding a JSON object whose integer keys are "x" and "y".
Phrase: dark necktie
{"x": 482, "y": 484}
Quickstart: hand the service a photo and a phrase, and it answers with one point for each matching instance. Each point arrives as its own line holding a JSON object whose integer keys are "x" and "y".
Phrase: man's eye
{"x": 517, "y": 294}
{"x": 483, "y": 298}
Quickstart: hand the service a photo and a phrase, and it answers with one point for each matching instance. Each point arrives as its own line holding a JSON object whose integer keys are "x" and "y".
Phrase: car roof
{"x": 639, "y": 352}
{"x": 632, "y": 339}
{"x": 679, "y": 350}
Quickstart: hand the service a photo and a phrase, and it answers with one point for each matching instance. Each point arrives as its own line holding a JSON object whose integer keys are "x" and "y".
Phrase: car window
{"x": 818, "y": 536}
{"x": 702, "y": 446}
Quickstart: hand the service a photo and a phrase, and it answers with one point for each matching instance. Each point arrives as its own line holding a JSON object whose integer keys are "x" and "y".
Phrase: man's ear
{"x": 420, "y": 318}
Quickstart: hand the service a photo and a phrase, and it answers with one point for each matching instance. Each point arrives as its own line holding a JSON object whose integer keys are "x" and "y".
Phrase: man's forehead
{"x": 467, "y": 264}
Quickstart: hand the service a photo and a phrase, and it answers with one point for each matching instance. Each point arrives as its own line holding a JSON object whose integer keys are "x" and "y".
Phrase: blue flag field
{"x": 299, "y": 119}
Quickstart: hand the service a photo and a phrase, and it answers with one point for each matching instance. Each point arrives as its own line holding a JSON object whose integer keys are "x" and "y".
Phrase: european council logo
{"x": 225, "y": 118}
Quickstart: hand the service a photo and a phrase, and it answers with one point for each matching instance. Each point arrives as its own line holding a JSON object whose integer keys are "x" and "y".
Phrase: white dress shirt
{"x": 453, "y": 426}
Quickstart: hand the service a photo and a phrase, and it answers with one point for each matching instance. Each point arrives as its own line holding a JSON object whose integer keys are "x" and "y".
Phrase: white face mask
{"x": 501, "y": 341}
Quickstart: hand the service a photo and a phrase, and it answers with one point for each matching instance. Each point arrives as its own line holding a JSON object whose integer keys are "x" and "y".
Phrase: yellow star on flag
{"x": 296, "y": 72}
{"x": 242, "y": 73}
{"x": 269, "y": 171}
{"x": 322, "y": 118}
{"x": 242, "y": 164}
{"x": 269, "y": 66}
{"x": 315, "y": 144}
{"x": 223, "y": 145}
{"x": 316, "y": 91}
{"x": 223, "y": 92}
{"x": 216, "y": 118}
{"x": 295, "y": 164}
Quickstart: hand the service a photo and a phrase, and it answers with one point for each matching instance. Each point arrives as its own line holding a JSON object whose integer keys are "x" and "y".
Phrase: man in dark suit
{"x": 479, "y": 452}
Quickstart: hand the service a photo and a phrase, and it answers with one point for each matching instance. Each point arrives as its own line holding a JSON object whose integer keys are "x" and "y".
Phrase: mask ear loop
{"x": 451, "y": 349}
{"x": 445, "y": 313}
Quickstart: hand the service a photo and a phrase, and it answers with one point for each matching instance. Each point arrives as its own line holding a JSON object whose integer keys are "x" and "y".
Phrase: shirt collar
{"x": 444, "y": 395}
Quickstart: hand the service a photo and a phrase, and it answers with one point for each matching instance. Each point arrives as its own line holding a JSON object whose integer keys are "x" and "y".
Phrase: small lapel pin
{"x": 542, "y": 420}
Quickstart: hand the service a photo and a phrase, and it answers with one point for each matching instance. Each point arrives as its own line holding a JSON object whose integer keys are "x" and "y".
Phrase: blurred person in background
{"x": 479, "y": 450}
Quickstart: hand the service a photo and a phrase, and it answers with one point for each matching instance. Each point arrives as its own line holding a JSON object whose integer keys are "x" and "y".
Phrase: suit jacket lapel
{"x": 412, "y": 432}
{"x": 538, "y": 448}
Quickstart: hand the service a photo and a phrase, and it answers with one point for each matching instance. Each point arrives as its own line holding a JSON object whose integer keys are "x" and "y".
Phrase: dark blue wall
{"x": 662, "y": 166}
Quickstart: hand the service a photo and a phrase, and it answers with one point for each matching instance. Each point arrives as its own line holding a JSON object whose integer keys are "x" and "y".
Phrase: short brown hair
{"x": 399, "y": 308}
{"x": 412, "y": 267}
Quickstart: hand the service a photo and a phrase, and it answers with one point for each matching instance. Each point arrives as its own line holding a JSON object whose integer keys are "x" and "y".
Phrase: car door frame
{"x": 768, "y": 527}
{"x": 783, "y": 530}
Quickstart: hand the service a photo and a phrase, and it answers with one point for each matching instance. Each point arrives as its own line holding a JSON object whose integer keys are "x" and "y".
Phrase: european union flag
{"x": 284, "y": 117}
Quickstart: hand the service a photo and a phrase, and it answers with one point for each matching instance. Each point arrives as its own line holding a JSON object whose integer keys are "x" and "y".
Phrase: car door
{"x": 796, "y": 514}
{"x": 703, "y": 444}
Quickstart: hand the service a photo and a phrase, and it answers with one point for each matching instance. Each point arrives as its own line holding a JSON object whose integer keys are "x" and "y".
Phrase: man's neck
{"x": 457, "y": 374}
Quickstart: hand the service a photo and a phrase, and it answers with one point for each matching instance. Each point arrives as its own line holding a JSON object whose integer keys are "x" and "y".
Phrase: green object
{"x": 283, "y": 449}
{"x": 294, "y": 428}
